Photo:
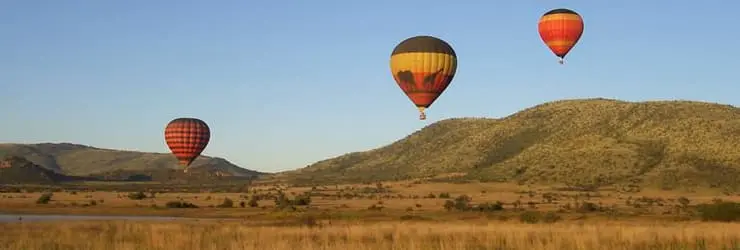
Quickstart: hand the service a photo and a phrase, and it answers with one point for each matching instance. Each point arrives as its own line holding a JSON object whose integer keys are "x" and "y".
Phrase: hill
{"x": 80, "y": 160}
{"x": 575, "y": 142}
{"x": 18, "y": 170}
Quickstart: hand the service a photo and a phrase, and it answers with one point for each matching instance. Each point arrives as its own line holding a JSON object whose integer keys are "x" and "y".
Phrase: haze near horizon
{"x": 285, "y": 85}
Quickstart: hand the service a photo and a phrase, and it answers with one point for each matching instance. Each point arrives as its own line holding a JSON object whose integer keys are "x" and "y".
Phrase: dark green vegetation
{"x": 580, "y": 143}
{"x": 52, "y": 163}
{"x": 17, "y": 170}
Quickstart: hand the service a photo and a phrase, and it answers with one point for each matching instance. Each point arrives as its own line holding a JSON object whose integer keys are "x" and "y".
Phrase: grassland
{"x": 414, "y": 200}
{"x": 388, "y": 235}
{"x": 578, "y": 174}
{"x": 389, "y": 215}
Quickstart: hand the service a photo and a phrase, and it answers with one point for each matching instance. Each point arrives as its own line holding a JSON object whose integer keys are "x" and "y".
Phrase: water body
{"x": 5, "y": 218}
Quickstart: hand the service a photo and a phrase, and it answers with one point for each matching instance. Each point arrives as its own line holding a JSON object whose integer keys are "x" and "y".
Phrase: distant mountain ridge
{"x": 80, "y": 160}
{"x": 670, "y": 144}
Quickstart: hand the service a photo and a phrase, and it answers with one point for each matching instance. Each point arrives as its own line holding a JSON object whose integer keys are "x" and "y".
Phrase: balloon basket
{"x": 422, "y": 115}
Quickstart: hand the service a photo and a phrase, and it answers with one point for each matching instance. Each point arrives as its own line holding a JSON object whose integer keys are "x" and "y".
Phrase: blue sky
{"x": 283, "y": 84}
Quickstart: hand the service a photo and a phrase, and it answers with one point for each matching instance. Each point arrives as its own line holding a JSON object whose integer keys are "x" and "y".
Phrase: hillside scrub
{"x": 581, "y": 143}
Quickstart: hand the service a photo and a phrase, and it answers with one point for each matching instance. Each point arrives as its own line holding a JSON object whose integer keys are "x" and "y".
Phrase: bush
{"x": 720, "y": 211}
{"x": 551, "y": 217}
{"x": 253, "y": 202}
{"x": 282, "y": 201}
{"x": 490, "y": 207}
{"x": 44, "y": 198}
{"x": 302, "y": 200}
{"x": 137, "y": 196}
{"x": 449, "y": 205}
{"x": 180, "y": 204}
{"x": 375, "y": 207}
{"x": 462, "y": 203}
{"x": 530, "y": 217}
{"x": 228, "y": 203}
{"x": 587, "y": 207}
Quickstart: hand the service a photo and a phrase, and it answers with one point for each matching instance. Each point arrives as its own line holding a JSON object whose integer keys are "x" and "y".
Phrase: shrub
{"x": 180, "y": 204}
{"x": 253, "y": 202}
{"x": 228, "y": 203}
{"x": 720, "y": 211}
{"x": 449, "y": 205}
{"x": 137, "y": 196}
{"x": 551, "y": 217}
{"x": 530, "y": 217}
{"x": 684, "y": 201}
{"x": 586, "y": 207}
{"x": 490, "y": 207}
{"x": 302, "y": 200}
{"x": 45, "y": 198}
{"x": 375, "y": 207}
{"x": 462, "y": 203}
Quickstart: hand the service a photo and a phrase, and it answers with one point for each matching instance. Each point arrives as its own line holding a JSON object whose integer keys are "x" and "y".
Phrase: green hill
{"x": 80, "y": 160}
{"x": 576, "y": 142}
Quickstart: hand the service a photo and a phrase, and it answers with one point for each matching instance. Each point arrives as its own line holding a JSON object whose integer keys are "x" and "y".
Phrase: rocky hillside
{"x": 577, "y": 142}
{"x": 79, "y": 160}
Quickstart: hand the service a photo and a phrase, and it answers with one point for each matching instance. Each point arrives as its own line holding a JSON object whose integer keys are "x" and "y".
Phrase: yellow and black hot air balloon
{"x": 423, "y": 66}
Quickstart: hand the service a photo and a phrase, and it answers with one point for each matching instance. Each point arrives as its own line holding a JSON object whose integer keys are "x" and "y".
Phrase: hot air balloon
{"x": 187, "y": 138}
{"x": 423, "y": 66}
{"x": 560, "y": 29}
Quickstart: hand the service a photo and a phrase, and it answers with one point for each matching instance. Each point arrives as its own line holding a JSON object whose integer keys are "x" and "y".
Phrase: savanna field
{"x": 389, "y": 215}
{"x": 386, "y": 235}
{"x": 131, "y": 127}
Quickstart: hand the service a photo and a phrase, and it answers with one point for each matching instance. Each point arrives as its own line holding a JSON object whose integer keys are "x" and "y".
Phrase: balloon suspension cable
{"x": 561, "y": 60}
{"x": 422, "y": 115}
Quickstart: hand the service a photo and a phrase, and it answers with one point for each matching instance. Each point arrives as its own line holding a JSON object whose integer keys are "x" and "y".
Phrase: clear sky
{"x": 283, "y": 84}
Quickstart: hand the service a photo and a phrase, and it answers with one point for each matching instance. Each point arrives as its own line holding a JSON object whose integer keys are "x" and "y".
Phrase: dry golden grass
{"x": 403, "y": 196}
{"x": 400, "y": 236}
{"x": 347, "y": 223}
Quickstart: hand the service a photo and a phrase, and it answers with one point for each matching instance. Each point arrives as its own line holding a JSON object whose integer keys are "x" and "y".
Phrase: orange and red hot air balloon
{"x": 560, "y": 29}
{"x": 187, "y": 138}
{"x": 423, "y": 66}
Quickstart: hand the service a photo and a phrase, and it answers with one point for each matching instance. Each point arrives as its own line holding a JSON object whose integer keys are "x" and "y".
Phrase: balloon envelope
{"x": 560, "y": 29}
{"x": 187, "y": 138}
{"x": 423, "y": 67}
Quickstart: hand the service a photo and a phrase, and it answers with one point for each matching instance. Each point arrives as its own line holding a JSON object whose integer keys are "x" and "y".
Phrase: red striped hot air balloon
{"x": 560, "y": 29}
{"x": 187, "y": 138}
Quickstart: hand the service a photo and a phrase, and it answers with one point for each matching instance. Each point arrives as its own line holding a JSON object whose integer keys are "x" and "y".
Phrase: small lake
{"x": 33, "y": 217}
